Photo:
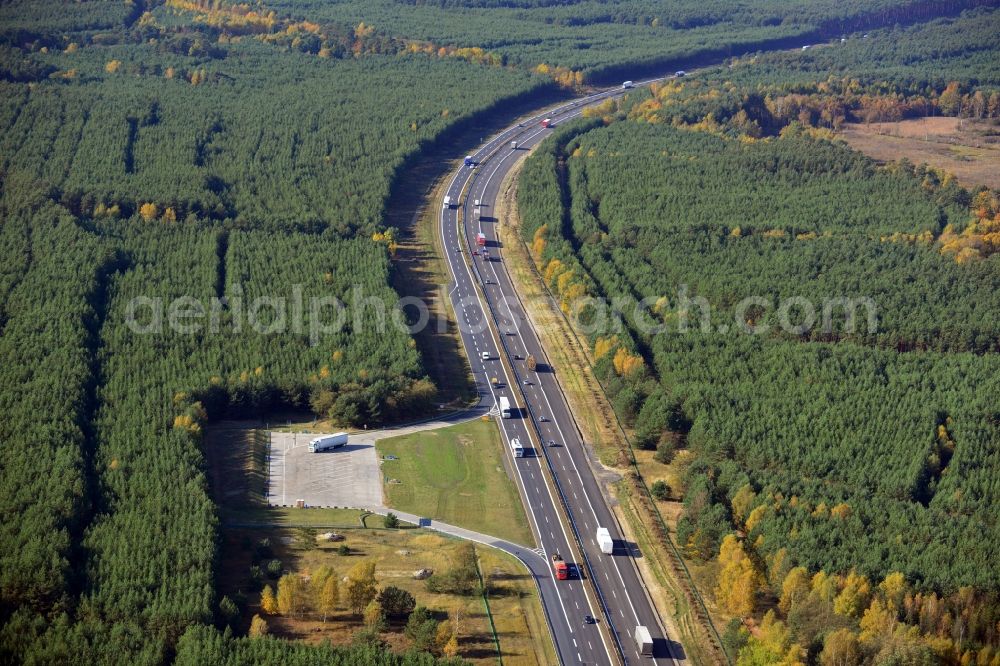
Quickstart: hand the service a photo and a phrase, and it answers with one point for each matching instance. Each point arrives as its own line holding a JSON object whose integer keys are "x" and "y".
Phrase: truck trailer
{"x": 504, "y": 407}
{"x": 643, "y": 641}
{"x": 559, "y": 567}
{"x": 328, "y": 442}
{"x": 605, "y": 541}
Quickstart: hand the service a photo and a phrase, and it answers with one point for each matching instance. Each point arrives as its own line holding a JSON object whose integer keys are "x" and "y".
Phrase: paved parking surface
{"x": 347, "y": 477}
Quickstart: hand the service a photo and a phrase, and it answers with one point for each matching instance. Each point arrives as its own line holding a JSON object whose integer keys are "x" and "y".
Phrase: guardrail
{"x": 486, "y": 602}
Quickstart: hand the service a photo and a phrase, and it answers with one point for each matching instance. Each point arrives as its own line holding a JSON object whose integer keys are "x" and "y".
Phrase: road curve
{"x": 492, "y": 322}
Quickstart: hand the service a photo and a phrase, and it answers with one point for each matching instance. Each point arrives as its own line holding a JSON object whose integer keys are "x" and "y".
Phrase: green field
{"x": 455, "y": 475}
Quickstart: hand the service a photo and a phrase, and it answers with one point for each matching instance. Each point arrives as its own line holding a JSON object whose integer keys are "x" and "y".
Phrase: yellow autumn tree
{"x": 878, "y": 620}
{"x": 840, "y": 648}
{"x": 893, "y": 589}
{"x": 361, "y": 587}
{"x": 324, "y": 590}
{"x": 538, "y": 241}
{"x": 739, "y": 580}
{"x": 290, "y": 595}
{"x": 841, "y": 511}
{"x": 794, "y": 589}
{"x": 742, "y": 501}
{"x": 627, "y": 364}
{"x": 450, "y": 648}
{"x": 443, "y": 634}
{"x": 853, "y": 596}
{"x": 258, "y": 627}
{"x": 755, "y": 517}
{"x": 169, "y": 215}
{"x": 603, "y": 346}
{"x": 553, "y": 269}
{"x": 824, "y": 586}
{"x": 267, "y": 601}
{"x": 149, "y": 211}
{"x": 112, "y": 66}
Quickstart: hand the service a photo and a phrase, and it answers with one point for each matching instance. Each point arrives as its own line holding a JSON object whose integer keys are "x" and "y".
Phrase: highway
{"x": 563, "y": 498}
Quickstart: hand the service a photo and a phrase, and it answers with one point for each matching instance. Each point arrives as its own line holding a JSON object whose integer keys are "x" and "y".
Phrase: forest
{"x": 610, "y": 41}
{"x": 823, "y": 459}
{"x": 148, "y": 157}
{"x": 218, "y": 153}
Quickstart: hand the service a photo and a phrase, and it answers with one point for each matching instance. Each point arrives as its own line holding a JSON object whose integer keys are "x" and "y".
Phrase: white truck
{"x": 628, "y": 84}
{"x": 328, "y": 442}
{"x": 643, "y": 641}
{"x": 513, "y": 145}
{"x": 504, "y": 407}
{"x": 515, "y": 446}
{"x": 447, "y": 202}
{"x": 605, "y": 541}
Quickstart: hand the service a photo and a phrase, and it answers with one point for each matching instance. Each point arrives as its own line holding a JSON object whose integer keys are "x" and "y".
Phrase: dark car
{"x": 587, "y": 619}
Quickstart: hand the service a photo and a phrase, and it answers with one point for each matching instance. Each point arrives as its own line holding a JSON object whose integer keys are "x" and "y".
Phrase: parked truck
{"x": 481, "y": 240}
{"x": 328, "y": 442}
{"x": 504, "y": 407}
{"x": 643, "y": 641}
{"x": 559, "y": 567}
{"x": 605, "y": 541}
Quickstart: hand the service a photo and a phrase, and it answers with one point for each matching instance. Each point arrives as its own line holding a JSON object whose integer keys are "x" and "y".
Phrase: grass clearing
{"x": 514, "y": 602}
{"x": 969, "y": 149}
{"x": 457, "y": 475}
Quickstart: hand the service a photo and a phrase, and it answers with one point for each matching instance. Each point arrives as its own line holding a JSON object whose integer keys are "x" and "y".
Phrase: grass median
{"x": 456, "y": 475}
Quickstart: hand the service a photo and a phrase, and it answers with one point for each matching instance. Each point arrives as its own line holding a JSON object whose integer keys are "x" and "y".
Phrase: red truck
{"x": 481, "y": 240}
{"x": 559, "y": 567}
{"x": 547, "y": 122}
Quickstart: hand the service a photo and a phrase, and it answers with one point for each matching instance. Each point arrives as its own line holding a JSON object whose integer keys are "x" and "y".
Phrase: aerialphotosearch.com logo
{"x": 753, "y": 315}
{"x": 319, "y": 316}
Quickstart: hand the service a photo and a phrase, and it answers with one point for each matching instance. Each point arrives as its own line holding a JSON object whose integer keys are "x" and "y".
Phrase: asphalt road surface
{"x": 482, "y": 288}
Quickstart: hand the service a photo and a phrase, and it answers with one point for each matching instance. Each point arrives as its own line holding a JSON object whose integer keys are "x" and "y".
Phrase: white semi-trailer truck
{"x": 643, "y": 641}
{"x": 504, "y": 407}
{"x": 605, "y": 541}
{"x": 328, "y": 442}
